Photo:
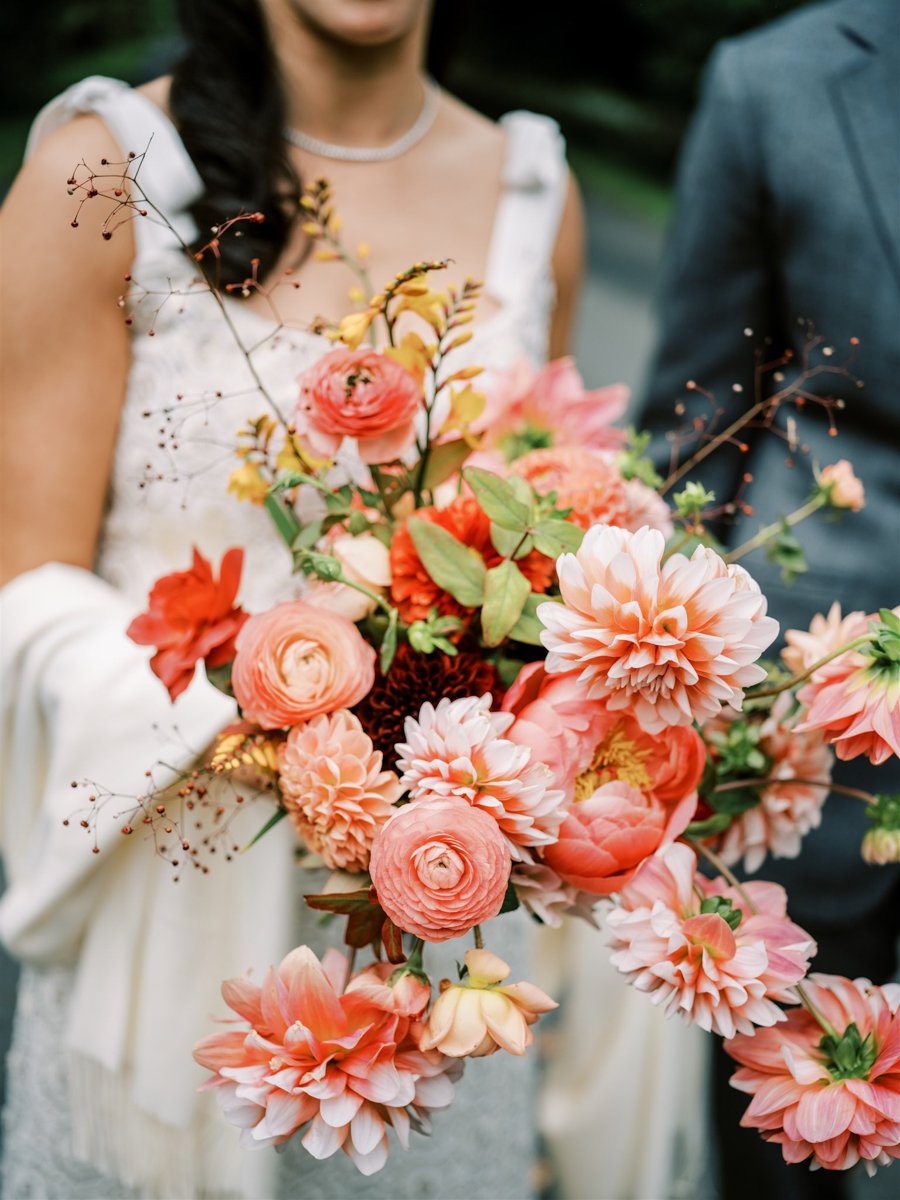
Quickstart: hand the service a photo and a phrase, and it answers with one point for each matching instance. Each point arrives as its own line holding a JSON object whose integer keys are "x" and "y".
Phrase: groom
{"x": 788, "y": 212}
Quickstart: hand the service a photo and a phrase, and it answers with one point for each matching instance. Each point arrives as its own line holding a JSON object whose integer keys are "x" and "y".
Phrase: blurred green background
{"x": 622, "y": 95}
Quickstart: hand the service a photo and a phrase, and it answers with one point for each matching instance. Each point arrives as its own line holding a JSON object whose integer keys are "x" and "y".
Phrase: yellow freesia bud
{"x": 327, "y": 256}
{"x": 312, "y": 228}
{"x": 248, "y": 484}
{"x": 363, "y": 250}
{"x": 353, "y": 328}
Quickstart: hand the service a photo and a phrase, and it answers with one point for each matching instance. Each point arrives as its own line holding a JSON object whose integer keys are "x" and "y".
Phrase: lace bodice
{"x": 189, "y": 390}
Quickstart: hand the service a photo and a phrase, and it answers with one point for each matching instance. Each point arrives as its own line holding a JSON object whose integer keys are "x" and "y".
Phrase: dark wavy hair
{"x": 227, "y": 103}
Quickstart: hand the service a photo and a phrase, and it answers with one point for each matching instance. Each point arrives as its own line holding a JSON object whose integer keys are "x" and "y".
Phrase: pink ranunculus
{"x": 359, "y": 394}
{"x": 440, "y": 867}
{"x": 645, "y": 506}
{"x": 835, "y": 1101}
{"x": 345, "y": 1064}
{"x": 456, "y": 748}
{"x": 672, "y": 642}
{"x": 479, "y": 1016}
{"x": 695, "y": 945}
{"x": 553, "y": 402}
{"x": 844, "y": 489}
{"x": 585, "y": 480}
{"x": 605, "y": 837}
{"x": 296, "y": 661}
{"x": 855, "y": 699}
{"x": 334, "y": 789}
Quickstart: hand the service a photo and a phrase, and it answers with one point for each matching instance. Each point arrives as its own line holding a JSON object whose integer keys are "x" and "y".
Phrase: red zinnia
{"x": 413, "y": 590}
{"x": 191, "y": 616}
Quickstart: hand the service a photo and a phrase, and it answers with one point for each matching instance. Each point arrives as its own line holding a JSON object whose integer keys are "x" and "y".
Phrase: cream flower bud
{"x": 844, "y": 489}
{"x": 364, "y": 560}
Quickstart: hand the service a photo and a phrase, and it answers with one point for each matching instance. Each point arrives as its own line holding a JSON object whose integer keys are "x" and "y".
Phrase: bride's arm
{"x": 65, "y": 353}
{"x": 568, "y": 272}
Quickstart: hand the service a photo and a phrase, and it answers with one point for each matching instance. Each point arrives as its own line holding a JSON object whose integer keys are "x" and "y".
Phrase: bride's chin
{"x": 356, "y": 22}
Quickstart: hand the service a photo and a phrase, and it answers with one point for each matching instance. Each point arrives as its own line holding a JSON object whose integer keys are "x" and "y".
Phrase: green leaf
{"x": 278, "y": 815}
{"x": 389, "y": 644}
{"x": 220, "y": 677}
{"x": 445, "y": 460}
{"x": 454, "y": 567}
{"x": 786, "y": 551}
{"x": 285, "y": 521}
{"x": 497, "y": 497}
{"x": 505, "y": 541}
{"x": 553, "y": 537}
{"x": 717, "y": 823}
{"x": 505, "y": 591}
{"x": 308, "y": 536}
{"x": 510, "y": 900}
{"x": 358, "y": 523}
{"x": 528, "y": 628}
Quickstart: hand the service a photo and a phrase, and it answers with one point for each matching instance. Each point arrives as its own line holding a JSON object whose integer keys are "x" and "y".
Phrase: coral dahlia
{"x": 334, "y": 789}
{"x": 710, "y": 959}
{"x": 671, "y": 641}
{"x": 832, "y": 1099}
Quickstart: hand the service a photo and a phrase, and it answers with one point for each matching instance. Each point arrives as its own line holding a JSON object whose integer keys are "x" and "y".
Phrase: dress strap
{"x": 535, "y": 180}
{"x": 166, "y": 175}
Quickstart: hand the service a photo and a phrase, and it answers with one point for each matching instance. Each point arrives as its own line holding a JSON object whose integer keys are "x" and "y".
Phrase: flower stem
{"x": 814, "y": 1012}
{"x": 716, "y": 862}
{"x": 770, "y": 531}
{"x": 794, "y": 680}
{"x": 686, "y": 536}
{"x": 351, "y": 963}
{"x": 479, "y": 940}
{"x": 842, "y": 788}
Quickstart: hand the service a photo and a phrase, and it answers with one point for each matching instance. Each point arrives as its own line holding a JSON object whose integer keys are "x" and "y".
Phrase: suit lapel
{"x": 867, "y": 98}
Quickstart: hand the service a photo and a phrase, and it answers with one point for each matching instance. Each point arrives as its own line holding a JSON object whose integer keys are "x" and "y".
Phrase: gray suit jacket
{"x": 788, "y": 208}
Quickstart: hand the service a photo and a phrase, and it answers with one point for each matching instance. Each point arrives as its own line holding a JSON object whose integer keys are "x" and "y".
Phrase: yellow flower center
{"x": 617, "y": 757}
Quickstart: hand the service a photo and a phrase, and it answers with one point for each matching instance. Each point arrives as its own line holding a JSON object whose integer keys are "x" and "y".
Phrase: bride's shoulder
{"x": 157, "y": 91}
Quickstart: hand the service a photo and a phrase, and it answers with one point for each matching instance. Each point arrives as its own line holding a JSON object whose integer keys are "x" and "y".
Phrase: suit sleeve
{"x": 715, "y": 278}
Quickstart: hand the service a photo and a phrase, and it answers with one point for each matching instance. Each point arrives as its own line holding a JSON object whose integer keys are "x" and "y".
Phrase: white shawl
{"x": 79, "y": 702}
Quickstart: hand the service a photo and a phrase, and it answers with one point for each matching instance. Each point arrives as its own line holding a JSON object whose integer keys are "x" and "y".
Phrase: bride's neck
{"x": 347, "y": 94}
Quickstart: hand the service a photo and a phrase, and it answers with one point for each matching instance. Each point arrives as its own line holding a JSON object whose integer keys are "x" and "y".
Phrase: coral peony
{"x": 191, "y": 616}
{"x": 855, "y": 698}
{"x": 834, "y": 1099}
{"x": 334, "y": 789}
{"x": 412, "y": 680}
{"x": 843, "y": 487}
{"x": 479, "y": 1016}
{"x": 346, "y": 1066}
{"x": 605, "y": 837}
{"x": 550, "y": 406}
{"x": 359, "y": 394}
{"x": 671, "y": 641}
{"x": 439, "y": 867}
{"x": 296, "y": 661}
{"x": 790, "y": 807}
{"x": 584, "y": 480}
{"x": 364, "y": 560}
{"x": 710, "y": 959}
{"x": 414, "y": 592}
{"x": 456, "y": 749}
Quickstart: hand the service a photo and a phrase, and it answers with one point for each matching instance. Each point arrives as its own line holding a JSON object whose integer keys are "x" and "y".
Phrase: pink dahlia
{"x": 825, "y": 634}
{"x": 710, "y": 959}
{"x": 644, "y": 506}
{"x": 344, "y": 1064}
{"x": 585, "y": 480}
{"x": 671, "y": 641}
{"x": 548, "y": 897}
{"x": 855, "y": 698}
{"x": 457, "y": 749}
{"x": 334, "y": 788}
{"x": 834, "y": 1099}
{"x": 790, "y": 807}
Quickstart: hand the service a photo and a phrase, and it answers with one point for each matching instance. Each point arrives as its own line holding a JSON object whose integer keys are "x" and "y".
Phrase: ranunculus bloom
{"x": 724, "y": 975}
{"x": 359, "y": 394}
{"x": 334, "y": 789}
{"x": 296, "y": 661}
{"x": 414, "y": 592}
{"x": 191, "y": 616}
{"x": 670, "y": 641}
{"x": 550, "y": 406}
{"x": 440, "y": 867}
{"x": 585, "y": 480}
{"x": 457, "y": 749}
{"x": 479, "y": 1016}
{"x": 347, "y": 1065}
{"x": 845, "y": 490}
{"x": 834, "y": 1108}
{"x": 645, "y": 506}
{"x": 605, "y": 837}
{"x": 855, "y": 701}
{"x": 364, "y": 560}
{"x": 787, "y": 810}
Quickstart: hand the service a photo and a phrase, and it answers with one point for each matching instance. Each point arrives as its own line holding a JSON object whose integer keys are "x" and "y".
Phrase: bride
{"x": 106, "y": 487}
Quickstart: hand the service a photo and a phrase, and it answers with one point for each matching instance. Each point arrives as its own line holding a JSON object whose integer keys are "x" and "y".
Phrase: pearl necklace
{"x": 413, "y": 135}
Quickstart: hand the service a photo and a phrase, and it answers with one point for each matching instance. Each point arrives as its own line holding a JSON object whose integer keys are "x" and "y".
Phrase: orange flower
{"x": 413, "y": 590}
{"x": 191, "y": 616}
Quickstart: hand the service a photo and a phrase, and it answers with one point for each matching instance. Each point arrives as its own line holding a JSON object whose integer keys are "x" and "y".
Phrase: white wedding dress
{"x": 121, "y": 967}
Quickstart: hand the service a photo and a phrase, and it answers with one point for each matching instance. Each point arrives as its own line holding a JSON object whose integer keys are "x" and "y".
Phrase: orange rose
{"x": 297, "y": 661}
{"x": 359, "y": 394}
{"x": 439, "y": 867}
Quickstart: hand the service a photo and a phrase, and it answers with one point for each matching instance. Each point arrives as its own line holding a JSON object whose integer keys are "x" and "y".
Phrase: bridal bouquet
{"x": 522, "y": 673}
